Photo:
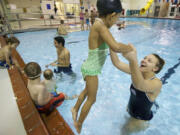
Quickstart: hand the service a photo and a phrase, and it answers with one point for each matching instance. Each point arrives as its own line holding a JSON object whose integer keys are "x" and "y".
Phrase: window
{"x": 48, "y": 6}
{"x": 172, "y": 9}
{"x": 171, "y": 14}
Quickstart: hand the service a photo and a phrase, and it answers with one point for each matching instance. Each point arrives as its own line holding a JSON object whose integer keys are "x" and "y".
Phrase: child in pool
{"x": 87, "y": 19}
{"x": 81, "y": 14}
{"x": 51, "y": 86}
{"x": 63, "y": 57}
{"x": 6, "y": 59}
{"x": 100, "y": 40}
{"x": 44, "y": 100}
{"x": 62, "y": 29}
{"x": 49, "y": 82}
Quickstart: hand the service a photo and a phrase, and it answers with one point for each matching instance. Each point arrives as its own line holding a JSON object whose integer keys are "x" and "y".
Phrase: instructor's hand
{"x": 53, "y": 64}
{"x": 131, "y": 55}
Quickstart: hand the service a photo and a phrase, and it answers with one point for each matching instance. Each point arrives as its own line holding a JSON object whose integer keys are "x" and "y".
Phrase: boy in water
{"x": 6, "y": 53}
{"x": 62, "y": 29}
{"x": 63, "y": 61}
{"x": 100, "y": 40}
{"x": 44, "y": 100}
{"x": 49, "y": 82}
{"x": 144, "y": 89}
{"x": 87, "y": 19}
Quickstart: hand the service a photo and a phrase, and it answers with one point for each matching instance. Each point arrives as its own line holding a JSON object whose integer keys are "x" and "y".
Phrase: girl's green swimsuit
{"x": 95, "y": 61}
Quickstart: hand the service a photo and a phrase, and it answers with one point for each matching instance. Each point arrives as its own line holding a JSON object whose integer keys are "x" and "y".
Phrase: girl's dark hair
{"x": 160, "y": 63}
{"x": 106, "y": 7}
{"x": 60, "y": 39}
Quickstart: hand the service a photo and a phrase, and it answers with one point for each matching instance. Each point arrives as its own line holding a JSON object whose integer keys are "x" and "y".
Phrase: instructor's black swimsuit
{"x": 139, "y": 105}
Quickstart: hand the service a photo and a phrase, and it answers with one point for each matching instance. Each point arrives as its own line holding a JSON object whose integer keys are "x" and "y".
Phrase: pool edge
{"x": 34, "y": 123}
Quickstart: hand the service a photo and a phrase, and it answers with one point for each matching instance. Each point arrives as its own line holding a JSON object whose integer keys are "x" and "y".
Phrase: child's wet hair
{"x": 62, "y": 21}
{"x": 12, "y": 40}
{"x": 32, "y": 70}
{"x": 60, "y": 39}
{"x": 106, "y": 7}
{"x": 48, "y": 74}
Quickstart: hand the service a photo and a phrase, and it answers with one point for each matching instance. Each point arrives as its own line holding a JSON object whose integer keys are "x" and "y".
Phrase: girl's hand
{"x": 47, "y": 66}
{"x": 75, "y": 96}
{"x": 11, "y": 67}
{"x": 131, "y": 55}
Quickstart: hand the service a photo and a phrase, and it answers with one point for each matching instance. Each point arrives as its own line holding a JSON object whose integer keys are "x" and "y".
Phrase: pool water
{"x": 108, "y": 114}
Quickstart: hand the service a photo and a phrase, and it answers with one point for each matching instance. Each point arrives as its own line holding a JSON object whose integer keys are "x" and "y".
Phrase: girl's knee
{"x": 81, "y": 97}
{"x": 135, "y": 126}
{"x": 91, "y": 100}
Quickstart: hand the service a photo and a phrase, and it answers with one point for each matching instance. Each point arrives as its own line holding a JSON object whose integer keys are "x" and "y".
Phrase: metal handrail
{"x": 19, "y": 19}
{"x": 35, "y": 14}
{"x": 23, "y": 19}
{"x": 40, "y": 14}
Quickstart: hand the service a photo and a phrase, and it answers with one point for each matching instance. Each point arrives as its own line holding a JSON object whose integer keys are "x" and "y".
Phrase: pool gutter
{"x": 150, "y": 17}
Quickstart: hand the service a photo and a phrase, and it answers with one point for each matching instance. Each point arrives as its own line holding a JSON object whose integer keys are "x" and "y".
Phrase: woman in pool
{"x": 81, "y": 14}
{"x": 100, "y": 39}
{"x": 144, "y": 89}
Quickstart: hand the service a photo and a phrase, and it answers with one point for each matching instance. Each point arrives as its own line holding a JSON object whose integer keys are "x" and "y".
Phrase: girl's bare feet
{"x": 74, "y": 114}
{"x": 78, "y": 127}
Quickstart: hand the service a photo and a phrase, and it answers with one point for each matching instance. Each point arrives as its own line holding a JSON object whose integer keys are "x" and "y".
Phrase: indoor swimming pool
{"x": 108, "y": 114}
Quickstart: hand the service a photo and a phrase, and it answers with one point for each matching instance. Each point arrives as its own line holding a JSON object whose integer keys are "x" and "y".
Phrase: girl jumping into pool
{"x": 100, "y": 39}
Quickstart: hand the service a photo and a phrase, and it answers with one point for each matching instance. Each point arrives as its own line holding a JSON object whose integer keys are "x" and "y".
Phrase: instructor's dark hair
{"x": 60, "y": 39}
{"x": 160, "y": 63}
{"x": 106, "y": 7}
